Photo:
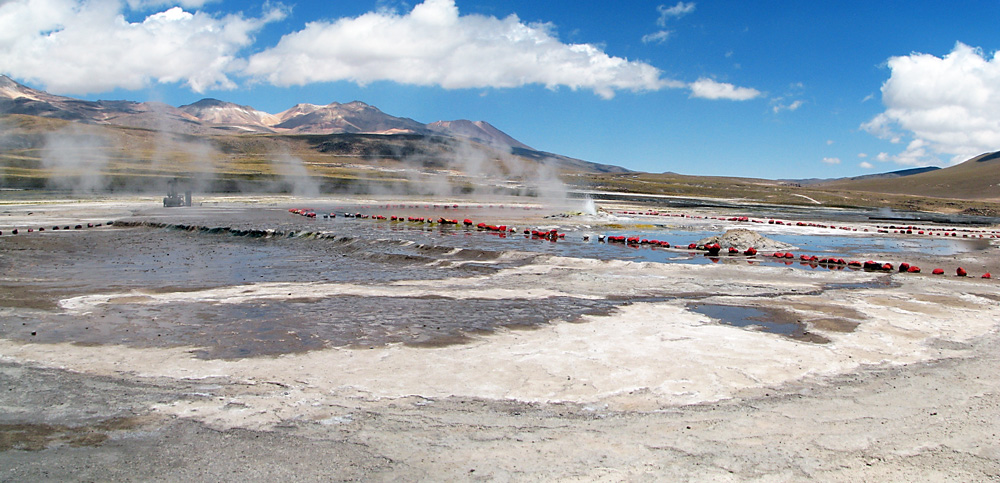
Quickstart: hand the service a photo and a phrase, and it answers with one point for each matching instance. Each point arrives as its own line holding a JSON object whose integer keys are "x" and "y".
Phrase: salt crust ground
{"x": 653, "y": 391}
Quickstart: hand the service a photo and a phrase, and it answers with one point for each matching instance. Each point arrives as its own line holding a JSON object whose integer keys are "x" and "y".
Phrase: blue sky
{"x": 762, "y": 89}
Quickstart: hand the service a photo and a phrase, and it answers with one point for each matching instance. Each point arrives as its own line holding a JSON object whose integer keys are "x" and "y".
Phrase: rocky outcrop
{"x": 743, "y": 239}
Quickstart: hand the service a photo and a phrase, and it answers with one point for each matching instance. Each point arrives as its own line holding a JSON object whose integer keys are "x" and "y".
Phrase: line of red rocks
{"x": 78, "y": 226}
{"x": 711, "y": 250}
{"x": 885, "y": 229}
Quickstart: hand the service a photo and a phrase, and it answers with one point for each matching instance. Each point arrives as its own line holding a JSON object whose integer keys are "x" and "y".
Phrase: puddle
{"x": 767, "y": 320}
{"x": 823, "y": 244}
{"x": 275, "y": 327}
{"x": 878, "y": 283}
{"x": 37, "y": 437}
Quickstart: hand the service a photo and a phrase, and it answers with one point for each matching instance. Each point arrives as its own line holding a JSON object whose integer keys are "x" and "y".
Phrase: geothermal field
{"x": 257, "y": 338}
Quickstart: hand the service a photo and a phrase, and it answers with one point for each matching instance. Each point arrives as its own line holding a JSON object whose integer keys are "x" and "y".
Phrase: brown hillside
{"x": 37, "y": 152}
{"x": 975, "y": 179}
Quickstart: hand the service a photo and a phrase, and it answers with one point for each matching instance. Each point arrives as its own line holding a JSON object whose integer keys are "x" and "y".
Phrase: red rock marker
{"x": 713, "y": 249}
{"x": 938, "y": 271}
{"x": 960, "y": 272}
{"x": 987, "y": 275}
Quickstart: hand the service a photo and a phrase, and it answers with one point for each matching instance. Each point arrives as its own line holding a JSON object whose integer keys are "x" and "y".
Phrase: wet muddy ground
{"x": 177, "y": 251}
{"x": 411, "y": 350}
{"x": 46, "y": 268}
{"x": 201, "y": 248}
{"x": 155, "y": 251}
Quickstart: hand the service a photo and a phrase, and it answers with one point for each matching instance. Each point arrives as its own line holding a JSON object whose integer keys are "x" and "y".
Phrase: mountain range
{"x": 212, "y": 116}
{"x": 365, "y": 132}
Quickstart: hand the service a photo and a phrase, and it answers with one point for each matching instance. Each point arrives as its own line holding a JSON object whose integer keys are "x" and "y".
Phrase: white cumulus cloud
{"x": 706, "y": 88}
{"x": 866, "y": 165}
{"x": 831, "y": 160}
{"x": 91, "y": 46}
{"x": 77, "y": 47}
{"x": 434, "y": 45}
{"x": 947, "y": 105}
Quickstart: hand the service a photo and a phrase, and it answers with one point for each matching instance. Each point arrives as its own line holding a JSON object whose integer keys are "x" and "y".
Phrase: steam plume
{"x": 77, "y": 158}
{"x": 294, "y": 174}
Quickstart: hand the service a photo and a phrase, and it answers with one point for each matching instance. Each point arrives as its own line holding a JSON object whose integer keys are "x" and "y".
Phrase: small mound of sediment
{"x": 742, "y": 238}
